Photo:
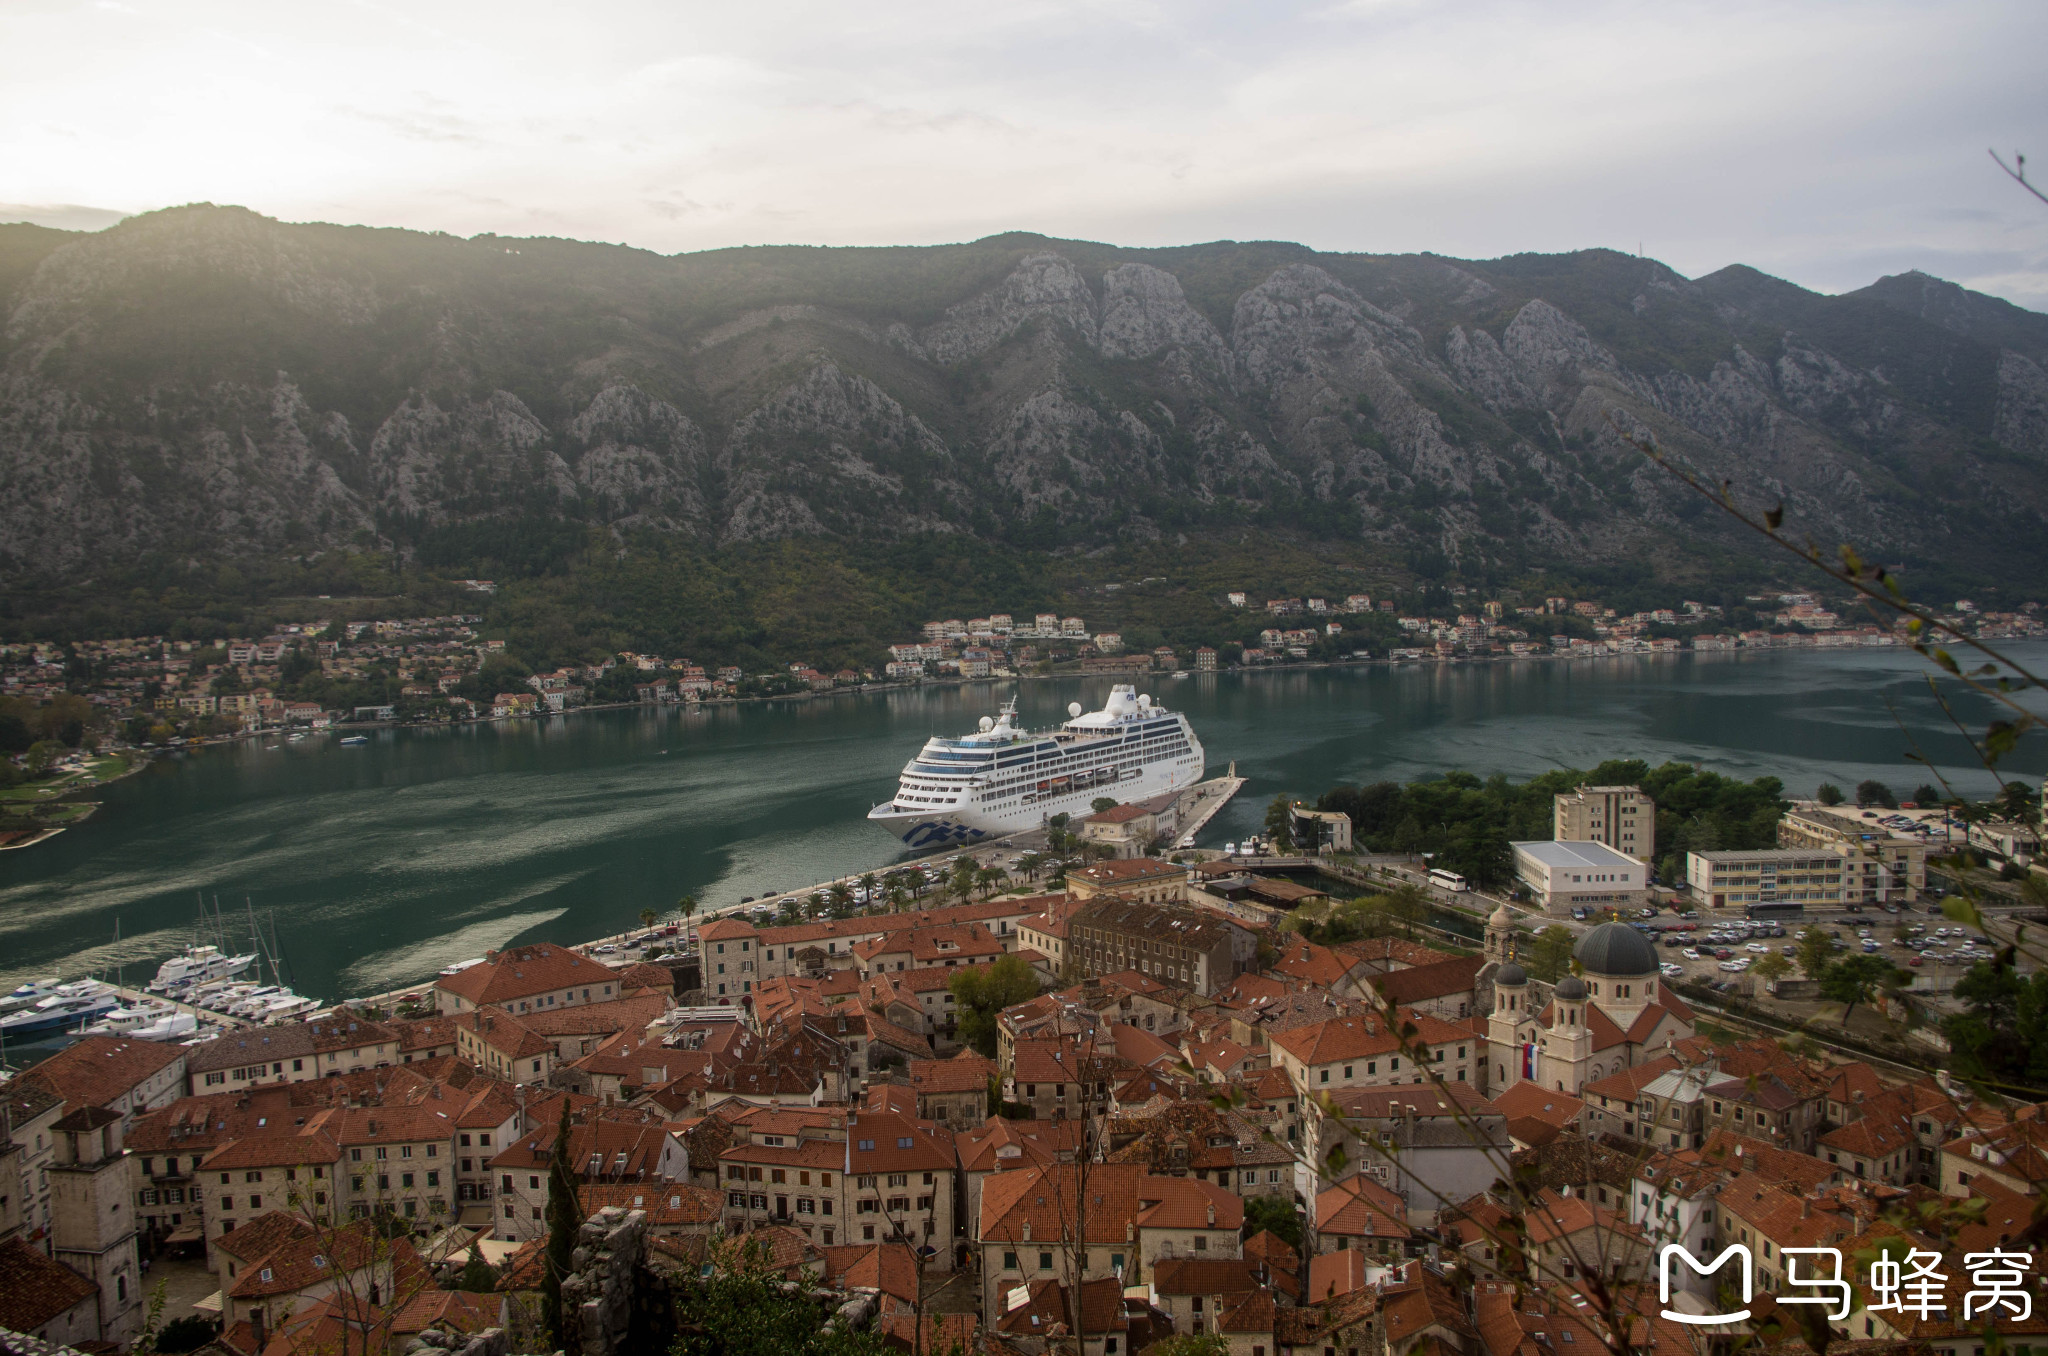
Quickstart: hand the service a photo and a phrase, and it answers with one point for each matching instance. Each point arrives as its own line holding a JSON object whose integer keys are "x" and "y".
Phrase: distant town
{"x": 153, "y": 689}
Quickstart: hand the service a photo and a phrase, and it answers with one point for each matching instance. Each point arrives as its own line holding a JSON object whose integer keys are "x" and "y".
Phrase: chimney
{"x": 1027, "y": 1231}
{"x": 1212, "y": 1214}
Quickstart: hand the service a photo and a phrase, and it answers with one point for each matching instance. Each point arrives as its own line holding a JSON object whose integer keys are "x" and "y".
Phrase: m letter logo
{"x": 1664, "y": 1281}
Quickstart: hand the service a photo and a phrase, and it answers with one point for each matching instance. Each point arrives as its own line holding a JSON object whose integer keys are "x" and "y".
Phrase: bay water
{"x": 382, "y": 862}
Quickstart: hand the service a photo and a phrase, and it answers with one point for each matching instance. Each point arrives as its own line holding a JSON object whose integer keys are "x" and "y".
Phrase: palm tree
{"x": 686, "y": 906}
{"x": 842, "y": 894}
{"x": 867, "y": 883}
{"x": 897, "y": 899}
{"x": 647, "y": 917}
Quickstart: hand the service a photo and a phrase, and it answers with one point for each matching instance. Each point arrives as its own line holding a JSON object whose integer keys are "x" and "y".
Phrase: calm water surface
{"x": 386, "y": 861}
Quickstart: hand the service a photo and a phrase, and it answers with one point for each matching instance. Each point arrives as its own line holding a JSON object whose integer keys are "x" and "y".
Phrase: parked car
{"x": 1689, "y": 953}
{"x": 1724, "y": 953}
{"x": 1915, "y": 962}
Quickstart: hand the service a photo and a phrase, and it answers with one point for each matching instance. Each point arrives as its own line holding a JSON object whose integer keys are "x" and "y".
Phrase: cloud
{"x": 1811, "y": 140}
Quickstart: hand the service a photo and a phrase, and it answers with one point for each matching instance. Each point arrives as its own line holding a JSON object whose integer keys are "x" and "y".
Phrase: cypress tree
{"x": 563, "y": 1219}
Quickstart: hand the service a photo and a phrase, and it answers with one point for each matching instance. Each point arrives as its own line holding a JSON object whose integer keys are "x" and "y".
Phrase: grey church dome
{"x": 1511, "y": 975}
{"x": 1616, "y": 949}
{"x": 1571, "y": 988}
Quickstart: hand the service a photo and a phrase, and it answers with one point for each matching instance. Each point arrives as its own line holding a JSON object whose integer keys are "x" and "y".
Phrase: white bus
{"x": 1448, "y": 880}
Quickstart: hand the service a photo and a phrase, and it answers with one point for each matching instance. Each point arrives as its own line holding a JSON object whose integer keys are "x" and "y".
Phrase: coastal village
{"x": 1142, "y": 1107}
{"x": 153, "y": 691}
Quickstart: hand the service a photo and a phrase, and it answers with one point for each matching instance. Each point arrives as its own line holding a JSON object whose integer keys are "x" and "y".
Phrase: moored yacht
{"x": 28, "y": 995}
{"x": 67, "y": 1006}
{"x": 198, "y": 964}
{"x": 1003, "y": 779}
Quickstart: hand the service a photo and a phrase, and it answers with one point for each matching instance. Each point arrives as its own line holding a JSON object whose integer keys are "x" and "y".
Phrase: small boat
{"x": 1180, "y": 673}
{"x": 354, "y": 739}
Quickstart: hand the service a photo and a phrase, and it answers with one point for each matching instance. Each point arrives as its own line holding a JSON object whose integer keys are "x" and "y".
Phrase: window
{"x": 1009, "y": 1261}
{"x": 1045, "y": 1261}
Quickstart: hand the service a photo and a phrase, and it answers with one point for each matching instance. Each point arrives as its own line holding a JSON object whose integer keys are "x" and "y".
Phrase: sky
{"x": 1828, "y": 143}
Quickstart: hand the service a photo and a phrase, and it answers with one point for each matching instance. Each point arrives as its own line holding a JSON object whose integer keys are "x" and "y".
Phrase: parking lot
{"x": 1720, "y": 951}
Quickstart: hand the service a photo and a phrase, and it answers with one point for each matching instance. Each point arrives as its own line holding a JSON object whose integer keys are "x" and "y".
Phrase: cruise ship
{"x": 1002, "y": 779}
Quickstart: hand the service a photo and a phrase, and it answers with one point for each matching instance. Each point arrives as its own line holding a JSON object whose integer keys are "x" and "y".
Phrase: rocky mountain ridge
{"x": 204, "y": 382}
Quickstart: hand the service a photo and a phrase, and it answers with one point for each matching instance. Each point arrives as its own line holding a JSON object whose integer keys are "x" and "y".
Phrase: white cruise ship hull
{"x": 1002, "y": 781}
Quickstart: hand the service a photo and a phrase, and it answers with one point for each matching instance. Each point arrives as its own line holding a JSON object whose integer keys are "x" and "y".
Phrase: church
{"x": 1614, "y": 1014}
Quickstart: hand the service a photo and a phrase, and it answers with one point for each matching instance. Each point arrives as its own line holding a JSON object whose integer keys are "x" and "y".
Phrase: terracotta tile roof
{"x": 248, "y": 1046}
{"x": 968, "y": 1072}
{"x": 523, "y": 971}
{"x": 1358, "y": 1207}
{"x": 1451, "y": 1101}
{"x": 1048, "y": 1307}
{"x": 941, "y": 1332}
{"x": 1318, "y": 965}
{"x": 1317, "y": 1324}
{"x": 890, "y": 1268}
{"x": 348, "y": 1030}
{"x": 263, "y": 1235}
{"x": 503, "y": 1032}
{"x": 884, "y": 1142}
{"x": 425, "y": 1033}
{"x": 35, "y": 1289}
{"x": 302, "y": 1260}
{"x": 312, "y": 1145}
{"x": 1336, "y": 1273}
{"x": 448, "y": 1311}
{"x": 1420, "y": 1300}
{"x": 596, "y": 1019}
{"x": 1527, "y": 1099}
{"x": 1438, "y": 979}
{"x": 1178, "y": 1203}
{"x": 195, "y": 1125}
{"x": 100, "y": 1070}
{"x": 669, "y": 1205}
{"x": 1204, "y": 1276}
{"x": 1875, "y": 1135}
{"x": 1045, "y": 1197}
{"x": 1625, "y": 1084}
{"x": 1254, "y": 1313}
{"x": 1003, "y": 1144}
{"x": 1383, "y": 953}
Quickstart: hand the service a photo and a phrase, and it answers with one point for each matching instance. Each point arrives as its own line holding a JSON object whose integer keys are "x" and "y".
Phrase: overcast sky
{"x": 1826, "y": 143}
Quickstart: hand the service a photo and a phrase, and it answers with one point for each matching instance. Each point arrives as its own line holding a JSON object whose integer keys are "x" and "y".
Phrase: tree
{"x": 477, "y": 1275}
{"x": 1816, "y": 950}
{"x": 1277, "y": 1216}
{"x": 963, "y": 877}
{"x": 742, "y": 1309}
{"x": 1872, "y": 792}
{"x": 1280, "y": 823}
{"x": 686, "y": 906}
{"x": 1924, "y": 795}
{"x": 564, "y": 1218}
{"x": 842, "y": 895}
{"x": 1550, "y": 957}
{"x": 647, "y": 917}
{"x": 981, "y": 994}
{"x": 42, "y": 753}
{"x": 1828, "y": 794}
{"x": 1853, "y": 980}
{"x": 2018, "y": 803}
{"x": 1190, "y": 1344}
{"x": 1772, "y": 968}
{"x": 1101, "y": 803}
{"x": 2002, "y": 1032}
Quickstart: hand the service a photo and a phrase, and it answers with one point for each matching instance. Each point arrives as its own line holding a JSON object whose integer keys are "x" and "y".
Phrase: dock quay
{"x": 1202, "y": 802}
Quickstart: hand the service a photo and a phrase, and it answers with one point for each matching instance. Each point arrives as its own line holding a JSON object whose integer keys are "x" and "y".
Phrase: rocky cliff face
{"x": 206, "y": 382}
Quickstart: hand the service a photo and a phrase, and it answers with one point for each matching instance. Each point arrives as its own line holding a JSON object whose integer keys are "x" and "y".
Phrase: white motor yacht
{"x": 169, "y": 1027}
{"x": 252, "y": 1002}
{"x": 126, "y": 1021}
{"x": 196, "y": 965}
{"x": 287, "y": 1007}
{"x": 70, "y": 1005}
{"x": 28, "y": 995}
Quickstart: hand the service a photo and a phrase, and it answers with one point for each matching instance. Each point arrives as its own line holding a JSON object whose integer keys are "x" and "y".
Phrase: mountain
{"x": 205, "y": 384}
